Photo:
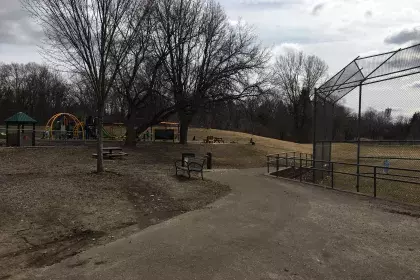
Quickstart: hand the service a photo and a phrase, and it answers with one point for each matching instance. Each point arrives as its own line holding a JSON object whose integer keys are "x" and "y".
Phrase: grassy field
{"x": 399, "y": 191}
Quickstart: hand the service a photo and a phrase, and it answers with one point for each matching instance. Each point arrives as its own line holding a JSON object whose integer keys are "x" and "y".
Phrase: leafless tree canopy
{"x": 87, "y": 35}
{"x": 207, "y": 59}
{"x": 295, "y": 75}
{"x": 294, "y": 71}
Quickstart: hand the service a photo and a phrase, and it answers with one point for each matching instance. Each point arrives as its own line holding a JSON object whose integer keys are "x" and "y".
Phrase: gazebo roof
{"x": 20, "y": 118}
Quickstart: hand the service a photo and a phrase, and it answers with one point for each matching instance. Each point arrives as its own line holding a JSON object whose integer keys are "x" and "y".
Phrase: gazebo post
{"x": 18, "y": 135}
{"x": 33, "y": 134}
{"x": 7, "y": 134}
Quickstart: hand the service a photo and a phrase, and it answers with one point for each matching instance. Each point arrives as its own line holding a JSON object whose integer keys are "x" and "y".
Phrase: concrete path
{"x": 265, "y": 229}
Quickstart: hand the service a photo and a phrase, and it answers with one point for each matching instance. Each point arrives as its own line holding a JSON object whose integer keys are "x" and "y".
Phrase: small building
{"x": 19, "y": 136}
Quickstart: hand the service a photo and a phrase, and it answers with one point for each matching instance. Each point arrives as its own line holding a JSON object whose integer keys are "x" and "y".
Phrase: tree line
{"x": 41, "y": 91}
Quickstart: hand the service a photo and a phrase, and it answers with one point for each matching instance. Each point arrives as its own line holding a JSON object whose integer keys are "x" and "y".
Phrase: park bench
{"x": 112, "y": 153}
{"x": 190, "y": 165}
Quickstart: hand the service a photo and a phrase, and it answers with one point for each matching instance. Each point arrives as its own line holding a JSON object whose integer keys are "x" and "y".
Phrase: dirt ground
{"x": 53, "y": 205}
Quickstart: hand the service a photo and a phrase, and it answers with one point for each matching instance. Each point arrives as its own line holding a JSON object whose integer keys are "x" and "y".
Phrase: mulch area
{"x": 53, "y": 205}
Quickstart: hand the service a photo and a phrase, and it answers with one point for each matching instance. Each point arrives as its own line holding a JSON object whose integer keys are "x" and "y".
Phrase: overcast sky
{"x": 335, "y": 30}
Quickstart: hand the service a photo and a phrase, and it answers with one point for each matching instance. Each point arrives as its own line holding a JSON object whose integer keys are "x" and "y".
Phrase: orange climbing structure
{"x": 78, "y": 125}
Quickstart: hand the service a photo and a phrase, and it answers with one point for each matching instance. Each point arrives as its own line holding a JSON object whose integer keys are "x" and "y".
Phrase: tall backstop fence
{"x": 366, "y": 128}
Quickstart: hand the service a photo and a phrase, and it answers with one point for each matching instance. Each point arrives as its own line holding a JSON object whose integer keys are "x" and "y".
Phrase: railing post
{"x": 374, "y": 181}
{"x": 268, "y": 164}
{"x": 277, "y": 165}
{"x": 313, "y": 169}
{"x": 300, "y": 166}
{"x": 287, "y": 165}
{"x": 332, "y": 175}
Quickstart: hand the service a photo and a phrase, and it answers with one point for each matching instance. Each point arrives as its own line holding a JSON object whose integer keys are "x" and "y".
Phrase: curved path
{"x": 265, "y": 229}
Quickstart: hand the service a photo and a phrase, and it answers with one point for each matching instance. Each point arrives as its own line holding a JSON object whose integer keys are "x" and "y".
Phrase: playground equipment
{"x": 166, "y": 131}
{"x": 67, "y": 119}
{"x": 77, "y": 128}
{"x": 115, "y": 131}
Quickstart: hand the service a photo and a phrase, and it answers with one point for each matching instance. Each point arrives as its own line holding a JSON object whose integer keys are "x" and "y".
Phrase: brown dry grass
{"x": 398, "y": 191}
{"x": 264, "y": 144}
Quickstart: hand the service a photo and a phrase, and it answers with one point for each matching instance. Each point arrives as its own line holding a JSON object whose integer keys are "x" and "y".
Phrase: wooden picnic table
{"x": 218, "y": 140}
{"x": 112, "y": 152}
{"x": 212, "y": 140}
{"x": 109, "y": 150}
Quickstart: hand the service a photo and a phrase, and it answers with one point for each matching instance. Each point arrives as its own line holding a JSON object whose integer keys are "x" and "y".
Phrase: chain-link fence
{"x": 366, "y": 127}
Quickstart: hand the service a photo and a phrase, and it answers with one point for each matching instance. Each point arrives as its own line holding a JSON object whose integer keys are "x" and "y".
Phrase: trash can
{"x": 209, "y": 161}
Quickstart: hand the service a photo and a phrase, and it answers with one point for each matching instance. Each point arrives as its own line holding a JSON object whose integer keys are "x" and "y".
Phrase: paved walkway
{"x": 265, "y": 229}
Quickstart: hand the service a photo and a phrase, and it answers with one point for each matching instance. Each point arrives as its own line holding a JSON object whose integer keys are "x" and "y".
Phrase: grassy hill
{"x": 263, "y": 144}
{"x": 240, "y": 154}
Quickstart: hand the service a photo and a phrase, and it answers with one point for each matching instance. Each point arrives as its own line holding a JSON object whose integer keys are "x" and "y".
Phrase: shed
{"x": 20, "y": 120}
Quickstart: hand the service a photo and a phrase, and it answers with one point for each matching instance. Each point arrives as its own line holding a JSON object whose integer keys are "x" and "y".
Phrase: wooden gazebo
{"x": 20, "y": 120}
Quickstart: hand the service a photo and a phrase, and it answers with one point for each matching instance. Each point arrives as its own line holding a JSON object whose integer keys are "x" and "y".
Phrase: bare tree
{"x": 92, "y": 37}
{"x": 208, "y": 60}
{"x": 140, "y": 84}
{"x": 295, "y": 75}
{"x": 138, "y": 79}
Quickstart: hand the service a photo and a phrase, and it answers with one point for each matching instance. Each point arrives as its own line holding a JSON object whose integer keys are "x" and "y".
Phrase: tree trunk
{"x": 183, "y": 131}
{"x": 100, "y": 144}
{"x": 296, "y": 125}
{"x": 131, "y": 137}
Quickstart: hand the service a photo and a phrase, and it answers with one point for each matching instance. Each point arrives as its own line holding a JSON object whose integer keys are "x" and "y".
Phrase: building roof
{"x": 20, "y": 118}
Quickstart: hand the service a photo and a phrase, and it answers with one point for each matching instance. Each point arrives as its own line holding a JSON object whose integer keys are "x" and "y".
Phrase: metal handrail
{"x": 375, "y": 176}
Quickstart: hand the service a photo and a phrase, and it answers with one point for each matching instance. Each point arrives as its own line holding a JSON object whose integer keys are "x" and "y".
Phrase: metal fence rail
{"x": 331, "y": 169}
{"x": 288, "y": 159}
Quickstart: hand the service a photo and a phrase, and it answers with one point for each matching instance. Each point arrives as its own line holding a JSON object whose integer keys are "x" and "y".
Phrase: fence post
{"x": 277, "y": 165}
{"x": 313, "y": 169}
{"x": 314, "y": 134}
{"x": 300, "y": 169}
{"x": 322, "y": 152}
{"x": 332, "y": 175}
{"x": 359, "y": 120}
{"x": 374, "y": 181}
{"x": 268, "y": 164}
